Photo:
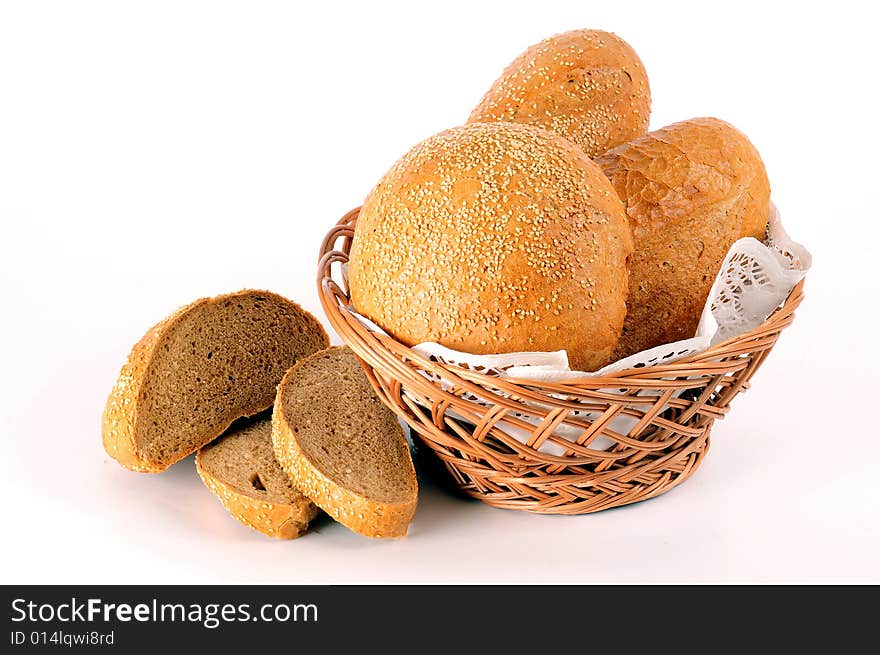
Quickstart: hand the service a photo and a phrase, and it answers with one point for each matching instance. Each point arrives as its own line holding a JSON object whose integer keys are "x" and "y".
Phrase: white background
{"x": 153, "y": 153}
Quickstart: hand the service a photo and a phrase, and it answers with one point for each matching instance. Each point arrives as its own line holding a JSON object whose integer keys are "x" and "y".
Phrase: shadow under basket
{"x": 629, "y": 436}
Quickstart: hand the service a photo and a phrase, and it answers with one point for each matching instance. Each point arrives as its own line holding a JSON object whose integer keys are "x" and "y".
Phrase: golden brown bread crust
{"x": 120, "y": 412}
{"x": 278, "y": 520}
{"x": 587, "y": 85}
{"x": 120, "y": 415}
{"x": 493, "y": 238}
{"x": 690, "y": 189}
{"x": 356, "y": 512}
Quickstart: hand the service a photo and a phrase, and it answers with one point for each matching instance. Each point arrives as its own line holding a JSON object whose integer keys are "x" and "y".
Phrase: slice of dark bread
{"x": 342, "y": 447}
{"x": 240, "y": 468}
{"x": 194, "y": 373}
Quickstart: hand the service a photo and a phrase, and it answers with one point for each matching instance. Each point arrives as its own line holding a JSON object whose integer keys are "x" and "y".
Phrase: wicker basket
{"x": 671, "y": 407}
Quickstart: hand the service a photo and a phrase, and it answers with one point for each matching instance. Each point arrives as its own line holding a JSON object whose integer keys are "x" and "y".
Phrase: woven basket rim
{"x": 650, "y": 376}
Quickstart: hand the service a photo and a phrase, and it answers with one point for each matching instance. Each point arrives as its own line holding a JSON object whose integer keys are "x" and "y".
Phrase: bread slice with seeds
{"x": 241, "y": 470}
{"x": 342, "y": 447}
{"x": 194, "y": 373}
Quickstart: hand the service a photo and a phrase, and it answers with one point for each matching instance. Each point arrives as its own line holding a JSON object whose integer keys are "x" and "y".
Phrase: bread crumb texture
{"x": 342, "y": 447}
{"x": 241, "y": 470}
{"x": 494, "y": 238}
{"x": 587, "y": 85}
{"x": 197, "y": 371}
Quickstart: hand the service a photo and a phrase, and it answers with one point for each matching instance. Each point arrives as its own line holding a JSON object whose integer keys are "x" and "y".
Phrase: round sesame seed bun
{"x": 587, "y": 85}
{"x": 691, "y": 189}
{"x": 495, "y": 238}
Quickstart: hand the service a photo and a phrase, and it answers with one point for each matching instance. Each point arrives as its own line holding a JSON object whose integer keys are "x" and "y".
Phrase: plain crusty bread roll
{"x": 691, "y": 189}
{"x": 342, "y": 447}
{"x": 495, "y": 238}
{"x": 194, "y": 373}
{"x": 589, "y": 86}
{"x": 241, "y": 470}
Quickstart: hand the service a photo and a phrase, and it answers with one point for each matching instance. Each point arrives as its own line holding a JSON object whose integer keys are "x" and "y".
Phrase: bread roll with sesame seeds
{"x": 587, "y": 85}
{"x": 691, "y": 189}
{"x": 195, "y": 372}
{"x": 240, "y": 469}
{"x": 495, "y": 238}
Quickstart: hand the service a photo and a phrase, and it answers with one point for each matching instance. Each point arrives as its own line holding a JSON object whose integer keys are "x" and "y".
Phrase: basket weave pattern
{"x": 489, "y": 431}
